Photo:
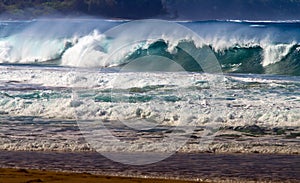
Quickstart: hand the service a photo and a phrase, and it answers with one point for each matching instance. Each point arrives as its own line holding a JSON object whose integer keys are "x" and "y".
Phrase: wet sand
{"x": 204, "y": 167}
{"x": 8, "y": 175}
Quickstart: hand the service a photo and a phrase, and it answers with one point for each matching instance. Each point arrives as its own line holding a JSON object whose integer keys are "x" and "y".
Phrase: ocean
{"x": 137, "y": 92}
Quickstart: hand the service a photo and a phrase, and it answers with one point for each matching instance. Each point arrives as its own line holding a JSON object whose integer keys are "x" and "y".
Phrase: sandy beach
{"x": 9, "y": 175}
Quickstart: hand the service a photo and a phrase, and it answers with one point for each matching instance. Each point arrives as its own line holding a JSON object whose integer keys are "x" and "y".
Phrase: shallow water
{"x": 37, "y": 134}
{"x": 234, "y": 167}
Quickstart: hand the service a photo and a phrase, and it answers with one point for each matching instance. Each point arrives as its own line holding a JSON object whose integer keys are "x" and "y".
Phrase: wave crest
{"x": 236, "y": 53}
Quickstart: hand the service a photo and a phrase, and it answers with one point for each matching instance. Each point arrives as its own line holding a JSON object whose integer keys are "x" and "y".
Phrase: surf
{"x": 237, "y": 45}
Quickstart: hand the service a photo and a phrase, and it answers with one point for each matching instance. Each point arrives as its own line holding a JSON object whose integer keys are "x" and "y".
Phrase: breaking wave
{"x": 238, "y": 55}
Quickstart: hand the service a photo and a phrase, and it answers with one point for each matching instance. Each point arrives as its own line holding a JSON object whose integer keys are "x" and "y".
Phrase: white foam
{"x": 70, "y": 95}
{"x": 88, "y": 52}
{"x": 246, "y": 107}
{"x": 275, "y": 52}
{"x": 20, "y": 49}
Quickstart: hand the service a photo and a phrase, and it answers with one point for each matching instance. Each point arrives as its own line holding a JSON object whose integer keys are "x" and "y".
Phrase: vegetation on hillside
{"x": 107, "y": 8}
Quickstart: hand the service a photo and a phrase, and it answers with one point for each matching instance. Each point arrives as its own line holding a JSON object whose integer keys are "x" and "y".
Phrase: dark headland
{"x": 163, "y": 9}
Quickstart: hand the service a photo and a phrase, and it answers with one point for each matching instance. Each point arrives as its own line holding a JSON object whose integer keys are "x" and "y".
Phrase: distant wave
{"x": 263, "y": 21}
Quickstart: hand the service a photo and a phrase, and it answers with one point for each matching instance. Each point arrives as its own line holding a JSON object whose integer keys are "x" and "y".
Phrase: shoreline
{"x": 10, "y": 175}
{"x": 203, "y": 167}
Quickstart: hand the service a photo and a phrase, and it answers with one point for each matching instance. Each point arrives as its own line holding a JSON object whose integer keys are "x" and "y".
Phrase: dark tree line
{"x": 134, "y": 9}
{"x": 140, "y": 9}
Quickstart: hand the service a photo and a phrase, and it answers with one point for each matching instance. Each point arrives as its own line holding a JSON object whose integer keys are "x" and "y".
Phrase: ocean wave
{"x": 242, "y": 51}
{"x": 262, "y": 21}
{"x": 94, "y": 50}
{"x": 31, "y": 49}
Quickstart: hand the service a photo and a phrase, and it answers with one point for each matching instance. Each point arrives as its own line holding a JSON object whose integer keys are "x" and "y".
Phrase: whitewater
{"x": 58, "y": 75}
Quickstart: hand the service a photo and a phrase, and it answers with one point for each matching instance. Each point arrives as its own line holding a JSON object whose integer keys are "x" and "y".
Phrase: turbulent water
{"x": 56, "y": 74}
{"x": 240, "y": 47}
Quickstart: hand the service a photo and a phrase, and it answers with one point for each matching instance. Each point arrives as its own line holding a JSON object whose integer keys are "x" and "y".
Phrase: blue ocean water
{"x": 58, "y": 73}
